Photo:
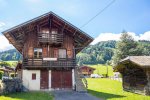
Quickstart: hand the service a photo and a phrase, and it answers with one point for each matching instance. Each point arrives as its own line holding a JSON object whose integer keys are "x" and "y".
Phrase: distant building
{"x": 135, "y": 72}
{"x": 86, "y": 70}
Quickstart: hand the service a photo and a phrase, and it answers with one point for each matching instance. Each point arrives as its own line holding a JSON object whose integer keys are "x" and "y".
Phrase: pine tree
{"x": 127, "y": 46}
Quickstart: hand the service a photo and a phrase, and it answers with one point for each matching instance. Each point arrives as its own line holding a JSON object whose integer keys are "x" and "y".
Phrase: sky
{"x": 130, "y": 15}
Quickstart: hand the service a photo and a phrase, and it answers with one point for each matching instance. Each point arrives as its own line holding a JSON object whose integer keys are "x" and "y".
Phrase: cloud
{"x": 114, "y": 36}
{"x": 2, "y": 24}
{"x": 145, "y": 36}
{"x": 4, "y": 44}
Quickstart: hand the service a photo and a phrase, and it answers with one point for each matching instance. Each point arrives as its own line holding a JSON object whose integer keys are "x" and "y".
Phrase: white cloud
{"x": 2, "y": 24}
{"x": 113, "y": 36}
{"x": 4, "y": 43}
{"x": 106, "y": 37}
{"x": 145, "y": 36}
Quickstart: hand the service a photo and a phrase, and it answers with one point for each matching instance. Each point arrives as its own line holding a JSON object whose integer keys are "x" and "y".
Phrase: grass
{"x": 27, "y": 96}
{"x": 111, "y": 90}
{"x": 102, "y": 69}
{"x": 11, "y": 63}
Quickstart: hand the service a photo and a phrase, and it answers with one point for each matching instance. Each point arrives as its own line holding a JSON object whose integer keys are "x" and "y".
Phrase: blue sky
{"x": 130, "y": 15}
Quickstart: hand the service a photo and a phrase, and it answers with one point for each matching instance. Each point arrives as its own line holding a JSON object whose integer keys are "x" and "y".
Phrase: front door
{"x": 61, "y": 79}
{"x": 44, "y": 79}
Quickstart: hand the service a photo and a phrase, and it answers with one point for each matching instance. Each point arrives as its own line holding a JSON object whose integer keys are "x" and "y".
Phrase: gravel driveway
{"x": 72, "y": 95}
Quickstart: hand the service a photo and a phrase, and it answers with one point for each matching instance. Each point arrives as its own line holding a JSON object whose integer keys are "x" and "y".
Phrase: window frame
{"x": 33, "y": 76}
{"x": 65, "y": 52}
{"x": 39, "y": 56}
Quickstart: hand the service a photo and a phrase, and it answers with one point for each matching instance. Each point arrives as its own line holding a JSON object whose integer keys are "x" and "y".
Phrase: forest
{"x": 104, "y": 52}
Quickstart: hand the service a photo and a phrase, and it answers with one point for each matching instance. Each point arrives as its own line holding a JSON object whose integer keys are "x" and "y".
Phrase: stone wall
{"x": 10, "y": 86}
{"x": 1, "y": 87}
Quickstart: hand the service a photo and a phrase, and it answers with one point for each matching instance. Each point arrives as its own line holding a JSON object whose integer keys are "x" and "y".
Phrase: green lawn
{"x": 27, "y": 96}
{"x": 12, "y": 63}
{"x": 111, "y": 90}
{"x": 102, "y": 69}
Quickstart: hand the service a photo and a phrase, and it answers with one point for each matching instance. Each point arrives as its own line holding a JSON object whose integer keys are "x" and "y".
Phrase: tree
{"x": 125, "y": 47}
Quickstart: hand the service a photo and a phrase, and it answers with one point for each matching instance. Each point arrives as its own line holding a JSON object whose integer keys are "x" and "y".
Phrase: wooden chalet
{"x": 49, "y": 45}
{"x": 86, "y": 70}
{"x": 135, "y": 72}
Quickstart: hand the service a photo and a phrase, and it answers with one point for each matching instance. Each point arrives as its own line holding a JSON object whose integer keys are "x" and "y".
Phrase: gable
{"x": 17, "y": 35}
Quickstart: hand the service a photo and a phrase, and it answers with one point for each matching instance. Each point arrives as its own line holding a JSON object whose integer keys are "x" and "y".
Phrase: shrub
{"x": 1, "y": 74}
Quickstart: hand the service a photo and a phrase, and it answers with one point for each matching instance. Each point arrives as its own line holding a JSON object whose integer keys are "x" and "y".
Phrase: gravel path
{"x": 72, "y": 95}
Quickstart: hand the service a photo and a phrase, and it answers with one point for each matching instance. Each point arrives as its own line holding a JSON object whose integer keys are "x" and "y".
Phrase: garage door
{"x": 61, "y": 79}
{"x": 44, "y": 79}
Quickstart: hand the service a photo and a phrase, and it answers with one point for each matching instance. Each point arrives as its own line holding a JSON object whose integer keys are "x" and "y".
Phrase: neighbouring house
{"x": 86, "y": 70}
{"x": 49, "y": 45}
{"x": 6, "y": 72}
{"x": 135, "y": 72}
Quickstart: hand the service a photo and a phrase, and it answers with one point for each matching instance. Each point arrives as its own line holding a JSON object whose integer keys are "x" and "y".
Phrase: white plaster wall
{"x": 73, "y": 79}
{"x": 49, "y": 79}
{"x": 28, "y": 82}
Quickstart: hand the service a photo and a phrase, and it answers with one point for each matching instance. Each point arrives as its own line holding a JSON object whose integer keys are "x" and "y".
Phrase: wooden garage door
{"x": 61, "y": 79}
{"x": 44, "y": 79}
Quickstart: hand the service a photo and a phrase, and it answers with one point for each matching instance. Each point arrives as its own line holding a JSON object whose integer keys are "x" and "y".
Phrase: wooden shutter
{"x": 55, "y": 53}
{"x": 45, "y": 52}
{"x": 30, "y": 52}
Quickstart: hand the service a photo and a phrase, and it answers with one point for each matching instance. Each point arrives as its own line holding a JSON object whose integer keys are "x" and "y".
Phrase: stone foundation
{"x": 10, "y": 86}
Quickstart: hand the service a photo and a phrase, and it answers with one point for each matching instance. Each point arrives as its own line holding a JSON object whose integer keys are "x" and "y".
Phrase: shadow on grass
{"x": 103, "y": 95}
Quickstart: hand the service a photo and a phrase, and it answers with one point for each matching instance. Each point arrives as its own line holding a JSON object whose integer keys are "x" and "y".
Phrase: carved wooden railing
{"x": 68, "y": 62}
{"x": 50, "y": 38}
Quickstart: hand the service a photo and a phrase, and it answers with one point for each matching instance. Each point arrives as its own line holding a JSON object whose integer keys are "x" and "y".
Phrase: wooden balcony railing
{"x": 50, "y": 38}
{"x": 43, "y": 63}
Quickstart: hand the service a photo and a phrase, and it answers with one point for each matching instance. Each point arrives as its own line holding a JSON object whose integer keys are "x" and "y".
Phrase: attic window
{"x": 33, "y": 76}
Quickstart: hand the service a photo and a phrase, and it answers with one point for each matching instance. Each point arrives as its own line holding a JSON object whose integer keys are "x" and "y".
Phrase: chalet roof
{"x": 87, "y": 67}
{"x": 142, "y": 61}
{"x": 16, "y": 35}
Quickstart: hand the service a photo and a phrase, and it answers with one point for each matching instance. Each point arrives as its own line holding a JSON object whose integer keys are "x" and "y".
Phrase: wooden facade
{"x": 86, "y": 70}
{"x": 135, "y": 72}
{"x": 49, "y": 42}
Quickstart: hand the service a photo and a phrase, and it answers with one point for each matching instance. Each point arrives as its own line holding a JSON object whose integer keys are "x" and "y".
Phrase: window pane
{"x": 62, "y": 53}
{"x": 37, "y": 52}
{"x": 33, "y": 76}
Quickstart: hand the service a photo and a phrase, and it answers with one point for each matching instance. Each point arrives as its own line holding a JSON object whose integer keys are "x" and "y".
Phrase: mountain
{"x": 11, "y": 54}
{"x": 101, "y": 53}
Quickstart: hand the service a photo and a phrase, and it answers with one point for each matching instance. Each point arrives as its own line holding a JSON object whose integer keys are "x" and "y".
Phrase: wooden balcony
{"x": 50, "y": 38}
{"x": 30, "y": 63}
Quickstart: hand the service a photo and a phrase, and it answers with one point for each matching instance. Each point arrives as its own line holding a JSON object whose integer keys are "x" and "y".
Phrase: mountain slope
{"x": 11, "y": 54}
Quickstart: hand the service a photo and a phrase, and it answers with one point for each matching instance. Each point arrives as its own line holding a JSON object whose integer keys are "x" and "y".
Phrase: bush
{"x": 12, "y": 75}
{"x": 1, "y": 74}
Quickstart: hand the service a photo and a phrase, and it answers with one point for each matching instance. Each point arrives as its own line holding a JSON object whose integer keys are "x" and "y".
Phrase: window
{"x": 37, "y": 52}
{"x": 54, "y": 32}
{"x": 33, "y": 76}
{"x": 62, "y": 53}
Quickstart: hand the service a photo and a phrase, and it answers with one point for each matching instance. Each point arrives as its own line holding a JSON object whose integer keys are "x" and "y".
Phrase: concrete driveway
{"x": 72, "y": 95}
